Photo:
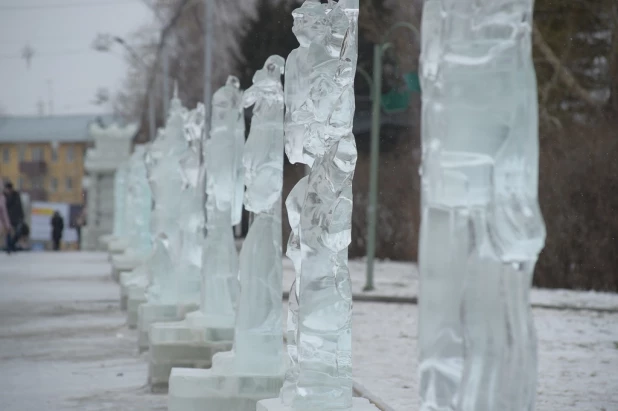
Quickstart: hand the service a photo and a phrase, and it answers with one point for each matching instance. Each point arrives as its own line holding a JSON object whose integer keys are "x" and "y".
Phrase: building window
{"x": 36, "y": 183}
{"x": 22, "y": 153}
{"x": 53, "y": 184}
{"x": 54, "y": 153}
{"x": 70, "y": 154}
{"x": 69, "y": 184}
{"x": 6, "y": 155}
{"x": 37, "y": 153}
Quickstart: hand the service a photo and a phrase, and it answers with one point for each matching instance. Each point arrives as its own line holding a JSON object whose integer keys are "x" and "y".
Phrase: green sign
{"x": 397, "y": 101}
{"x": 413, "y": 83}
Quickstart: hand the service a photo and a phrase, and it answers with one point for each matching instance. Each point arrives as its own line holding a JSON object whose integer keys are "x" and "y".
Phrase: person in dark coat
{"x": 57, "y": 223}
{"x": 16, "y": 215}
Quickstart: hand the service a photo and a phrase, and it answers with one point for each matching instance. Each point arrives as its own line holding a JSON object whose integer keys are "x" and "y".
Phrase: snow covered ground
{"x": 64, "y": 345}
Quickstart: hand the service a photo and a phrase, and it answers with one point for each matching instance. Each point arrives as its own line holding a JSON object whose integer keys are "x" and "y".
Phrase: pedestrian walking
{"x": 5, "y": 224}
{"x": 15, "y": 212}
{"x": 57, "y": 223}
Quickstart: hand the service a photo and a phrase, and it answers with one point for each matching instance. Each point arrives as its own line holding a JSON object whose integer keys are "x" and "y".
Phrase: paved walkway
{"x": 64, "y": 345}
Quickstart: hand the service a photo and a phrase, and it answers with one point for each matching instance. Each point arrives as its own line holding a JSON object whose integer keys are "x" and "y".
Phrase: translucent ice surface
{"x": 139, "y": 204}
{"x": 191, "y": 215}
{"x": 482, "y": 228}
{"x": 120, "y": 195}
{"x": 223, "y": 154}
{"x": 257, "y": 340}
{"x": 166, "y": 182}
{"x": 318, "y": 126}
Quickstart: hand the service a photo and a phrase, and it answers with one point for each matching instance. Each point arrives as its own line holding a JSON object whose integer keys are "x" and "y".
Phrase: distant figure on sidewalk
{"x": 16, "y": 216}
{"x": 5, "y": 223}
{"x": 57, "y": 223}
{"x": 79, "y": 223}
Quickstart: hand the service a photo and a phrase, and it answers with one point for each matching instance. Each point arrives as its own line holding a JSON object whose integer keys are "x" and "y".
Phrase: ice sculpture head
{"x": 273, "y": 68}
{"x": 263, "y": 151}
{"x": 224, "y": 101}
{"x": 194, "y": 126}
{"x": 309, "y": 22}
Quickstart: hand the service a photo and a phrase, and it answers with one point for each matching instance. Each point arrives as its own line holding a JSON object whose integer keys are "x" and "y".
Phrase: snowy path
{"x": 64, "y": 346}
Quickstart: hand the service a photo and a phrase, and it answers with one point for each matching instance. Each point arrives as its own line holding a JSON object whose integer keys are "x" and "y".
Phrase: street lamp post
{"x": 103, "y": 43}
{"x": 376, "y": 97}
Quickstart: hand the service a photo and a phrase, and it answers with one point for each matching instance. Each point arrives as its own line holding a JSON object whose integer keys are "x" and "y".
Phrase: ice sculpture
{"x": 191, "y": 215}
{"x": 223, "y": 154}
{"x": 482, "y": 228}
{"x": 320, "y": 105}
{"x": 257, "y": 338}
{"x": 166, "y": 185}
{"x": 139, "y": 202}
{"x": 120, "y": 190}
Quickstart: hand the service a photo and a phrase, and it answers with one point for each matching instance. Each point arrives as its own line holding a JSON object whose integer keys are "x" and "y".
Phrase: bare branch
{"x": 563, "y": 72}
{"x": 165, "y": 32}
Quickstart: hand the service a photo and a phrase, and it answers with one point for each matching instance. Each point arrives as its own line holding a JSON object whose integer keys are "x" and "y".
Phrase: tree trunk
{"x": 613, "y": 61}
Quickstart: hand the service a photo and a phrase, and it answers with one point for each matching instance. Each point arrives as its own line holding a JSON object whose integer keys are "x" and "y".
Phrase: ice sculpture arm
{"x": 518, "y": 226}
{"x": 239, "y": 180}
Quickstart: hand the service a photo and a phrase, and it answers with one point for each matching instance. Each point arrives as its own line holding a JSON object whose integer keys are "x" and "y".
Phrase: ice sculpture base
{"x": 190, "y": 343}
{"x": 117, "y": 246}
{"x": 221, "y": 388}
{"x": 151, "y": 313}
{"x": 136, "y": 297}
{"x": 104, "y": 241}
{"x": 131, "y": 280}
{"x": 124, "y": 262}
{"x": 275, "y": 404}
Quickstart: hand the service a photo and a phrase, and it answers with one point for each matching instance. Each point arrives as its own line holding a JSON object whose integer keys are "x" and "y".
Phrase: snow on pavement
{"x": 64, "y": 345}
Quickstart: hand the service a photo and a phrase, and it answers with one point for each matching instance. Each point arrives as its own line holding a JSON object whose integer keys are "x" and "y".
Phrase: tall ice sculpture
{"x": 166, "y": 300}
{"x": 119, "y": 228}
{"x": 320, "y": 106}
{"x": 130, "y": 265}
{"x": 193, "y": 341}
{"x": 138, "y": 199}
{"x": 254, "y": 369}
{"x": 482, "y": 228}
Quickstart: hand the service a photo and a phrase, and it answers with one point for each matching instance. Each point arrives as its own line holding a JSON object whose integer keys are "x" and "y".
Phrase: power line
{"x": 62, "y": 53}
{"x": 67, "y": 5}
{"x": 47, "y": 54}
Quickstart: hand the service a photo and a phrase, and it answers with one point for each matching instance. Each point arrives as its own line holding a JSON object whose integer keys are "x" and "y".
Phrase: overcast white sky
{"x": 61, "y": 34}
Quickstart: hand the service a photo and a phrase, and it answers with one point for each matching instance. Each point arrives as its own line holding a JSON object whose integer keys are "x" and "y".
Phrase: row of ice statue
{"x": 481, "y": 225}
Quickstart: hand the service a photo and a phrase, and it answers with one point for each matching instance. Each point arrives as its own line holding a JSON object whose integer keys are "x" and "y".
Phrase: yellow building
{"x": 44, "y": 156}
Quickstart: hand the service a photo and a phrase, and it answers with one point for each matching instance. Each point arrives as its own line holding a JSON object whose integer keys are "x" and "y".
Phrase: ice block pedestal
{"x": 123, "y": 263}
{"x": 117, "y": 246}
{"x": 150, "y": 313}
{"x": 190, "y": 343}
{"x": 135, "y": 279}
{"x": 136, "y": 296}
{"x": 222, "y": 388}
{"x": 275, "y": 404}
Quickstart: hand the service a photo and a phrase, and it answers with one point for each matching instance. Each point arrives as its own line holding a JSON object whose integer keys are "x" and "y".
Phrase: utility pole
{"x": 207, "y": 96}
{"x": 166, "y": 80}
{"x": 151, "y": 114}
{"x": 208, "y": 21}
{"x": 376, "y": 97}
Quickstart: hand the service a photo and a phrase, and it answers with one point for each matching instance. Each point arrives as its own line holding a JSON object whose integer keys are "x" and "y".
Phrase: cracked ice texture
{"x": 320, "y": 106}
{"x": 120, "y": 195}
{"x": 223, "y": 155}
{"x": 166, "y": 184}
{"x": 482, "y": 229}
{"x": 257, "y": 339}
{"x": 190, "y": 213}
{"x": 139, "y": 203}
